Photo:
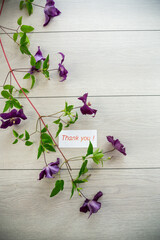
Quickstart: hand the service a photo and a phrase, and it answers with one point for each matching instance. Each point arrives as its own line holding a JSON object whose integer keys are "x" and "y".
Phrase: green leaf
{"x": 9, "y": 88}
{"x": 77, "y": 181}
{"x": 23, "y": 39}
{"x": 46, "y": 138}
{"x": 83, "y": 169}
{"x": 27, "y": 136}
{"x": 46, "y": 73}
{"x": 27, "y": 76}
{"x": 33, "y": 81}
{"x": 32, "y": 61}
{"x": 29, "y": 8}
{"x": 97, "y": 156}
{"x": 24, "y": 49}
{"x": 59, "y": 185}
{"x": 15, "y": 133}
{"x": 90, "y": 149}
{"x": 26, "y": 28}
{"x": 15, "y": 36}
{"x": 40, "y": 150}
{"x": 68, "y": 109}
{"x": 57, "y": 121}
{"x": 5, "y": 94}
{"x": 74, "y": 187}
{"x": 38, "y": 65}
{"x": 49, "y": 147}
{"x": 59, "y": 129}
{"x": 46, "y": 63}
{"x": 21, "y": 5}
{"x": 24, "y": 90}
{"x": 16, "y": 103}
{"x": 15, "y": 141}
{"x": 21, "y": 136}
{"x": 7, "y": 106}
{"x": 28, "y": 143}
{"x": 19, "y": 21}
{"x": 44, "y": 129}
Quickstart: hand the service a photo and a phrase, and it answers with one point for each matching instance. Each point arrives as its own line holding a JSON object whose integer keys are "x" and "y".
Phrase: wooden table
{"x": 112, "y": 52}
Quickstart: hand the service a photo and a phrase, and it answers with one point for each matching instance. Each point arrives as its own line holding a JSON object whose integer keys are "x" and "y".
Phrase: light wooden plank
{"x": 90, "y": 15}
{"x": 100, "y": 63}
{"x": 130, "y": 207}
{"x": 135, "y": 121}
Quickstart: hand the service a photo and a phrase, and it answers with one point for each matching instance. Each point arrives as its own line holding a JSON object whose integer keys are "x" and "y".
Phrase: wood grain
{"x": 130, "y": 207}
{"x": 135, "y": 121}
{"x": 99, "y": 63}
{"x": 80, "y": 15}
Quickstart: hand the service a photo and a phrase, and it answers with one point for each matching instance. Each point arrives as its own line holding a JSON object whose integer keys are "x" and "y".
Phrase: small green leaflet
{"x": 44, "y": 129}
{"x": 90, "y": 149}
{"x": 27, "y": 76}
{"x": 9, "y": 88}
{"x": 83, "y": 169}
{"x": 15, "y": 133}
{"x": 15, "y": 36}
{"x": 32, "y": 61}
{"x": 19, "y": 21}
{"x": 26, "y": 28}
{"x": 33, "y": 81}
{"x": 24, "y": 90}
{"x": 59, "y": 129}
{"x": 15, "y": 141}
{"x": 28, "y": 143}
{"x": 59, "y": 185}
{"x": 74, "y": 187}
{"x": 27, "y": 136}
{"x": 5, "y": 94}
{"x": 29, "y": 8}
{"x": 40, "y": 151}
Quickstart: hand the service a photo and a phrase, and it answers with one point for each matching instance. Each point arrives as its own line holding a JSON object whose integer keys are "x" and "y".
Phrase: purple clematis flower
{"x": 12, "y": 118}
{"x": 50, "y": 11}
{"x": 117, "y": 144}
{"x": 85, "y": 109}
{"x": 92, "y": 205}
{"x": 38, "y": 57}
{"x": 49, "y": 170}
{"x": 62, "y": 70}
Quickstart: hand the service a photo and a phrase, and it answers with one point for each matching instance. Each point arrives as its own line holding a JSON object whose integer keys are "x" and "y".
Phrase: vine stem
{"x": 41, "y": 119}
{"x": 2, "y": 7}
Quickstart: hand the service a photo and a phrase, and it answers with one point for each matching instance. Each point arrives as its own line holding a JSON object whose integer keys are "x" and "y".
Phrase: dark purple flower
{"x": 62, "y": 70}
{"x": 12, "y": 118}
{"x": 49, "y": 170}
{"x": 85, "y": 109}
{"x": 92, "y": 205}
{"x": 50, "y": 11}
{"x": 117, "y": 144}
{"x": 38, "y": 57}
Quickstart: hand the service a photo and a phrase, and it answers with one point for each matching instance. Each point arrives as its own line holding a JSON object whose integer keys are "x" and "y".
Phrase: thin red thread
{"x": 2, "y": 7}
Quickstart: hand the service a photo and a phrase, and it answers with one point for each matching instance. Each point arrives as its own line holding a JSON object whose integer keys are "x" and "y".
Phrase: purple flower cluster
{"x": 49, "y": 170}
{"x": 12, "y": 118}
{"x": 92, "y": 205}
{"x": 117, "y": 144}
{"x": 50, "y": 11}
{"x": 86, "y": 109}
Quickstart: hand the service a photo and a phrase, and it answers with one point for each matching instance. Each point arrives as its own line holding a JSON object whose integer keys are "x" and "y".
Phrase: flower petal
{"x": 97, "y": 196}
{"x": 84, "y": 98}
{"x": 94, "y": 207}
{"x": 84, "y": 207}
{"x": 9, "y": 115}
{"x": 38, "y": 56}
{"x": 21, "y": 114}
{"x": 63, "y": 57}
{"x": 42, "y": 173}
{"x": 85, "y": 109}
{"x": 6, "y": 124}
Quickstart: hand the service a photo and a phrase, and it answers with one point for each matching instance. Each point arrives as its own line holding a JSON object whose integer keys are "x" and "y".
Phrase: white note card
{"x": 77, "y": 138}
